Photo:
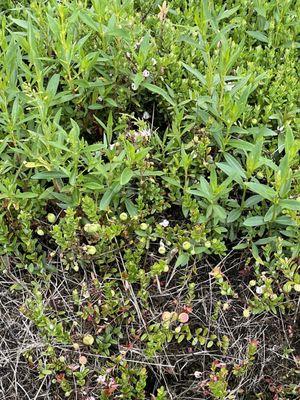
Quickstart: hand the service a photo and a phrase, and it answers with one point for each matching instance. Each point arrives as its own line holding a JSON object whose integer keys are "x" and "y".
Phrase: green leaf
{"x": 253, "y": 200}
{"x": 53, "y": 84}
{"x": 131, "y": 208}
{"x": 158, "y": 90}
{"x": 126, "y": 175}
{"x": 20, "y": 22}
{"x": 196, "y": 73}
{"x": 182, "y": 260}
{"x": 145, "y": 46}
{"x": 285, "y": 220}
{"x": 27, "y": 195}
{"x": 290, "y": 204}
{"x": 219, "y": 212}
{"x": 50, "y": 175}
{"x": 265, "y": 191}
{"x": 106, "y": 199}
{"x": 234, "y": 163}
{"x": 241, "y": 246}
{"x": 233, "y": 215}
{"x": 254, "y": 221}
{"x": 138, "y": 79}
{"x": 271, "y": 213}
{"x": 227, "y": 13}
{"x": 172, "y": 181}
{"x": 88, "y": 20}
{"x": 259, "y": 36}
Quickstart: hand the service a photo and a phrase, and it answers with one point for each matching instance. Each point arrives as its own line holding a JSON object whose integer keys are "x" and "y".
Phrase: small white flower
{"x": 280, "y": 128}
{"x": 229, "y": 86}
{"x": 197, "y": 374}
{"x": 259, "y": 289}
{"x": 133, "y": 86}
{"x": 145, "y": 133}
{"x": 101, "y": 379}
{"x": 146, "y": 73}
{"x": 127, "y": 54}
{"x": 137, "y": 45}
{"x": 146, "y": 115}
{"x": 100, "y": 99}
{"x": 112, "y": 146}
{"x": 153, "y": 60}
{"x": 164, "y": 223}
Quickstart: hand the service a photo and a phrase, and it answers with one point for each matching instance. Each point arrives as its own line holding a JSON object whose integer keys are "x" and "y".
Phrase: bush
{"x": 149, "y": 157}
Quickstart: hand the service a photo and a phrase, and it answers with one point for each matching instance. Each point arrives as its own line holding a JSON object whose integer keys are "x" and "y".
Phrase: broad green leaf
{"x": 160, "y": 91}
{"x": 285, "y": 220}
{"x": 137, "y": 80}
{"x": 88, "y": 20}
{"x": 20, "y": 22}
{"x": 27, "y": 195}
{"x": 253, "y": 200}
{"x": 131, "y": 208}
{"x": 241, "y": 144}
{"x": 230, "y": 171}
{"x": 182, "y": 260}
{"x": 106, "y": 199}
{"x": 219, "y": 212}
{"x": 50, "y": 175}
{"x": 53, "y": 84}
{"x": 259, "y": 36}
{"x": 233, "y": 215}
{"x": 254, "y": 221}
{"x": 227, "y": 13}
{"x": 271, "y": 213}
{"x": 290, "y": 204}
{"x": 196, "y": 73}
{"x": 126, "y": 175}
{"x": 234, "y": 163}
{"x": 172, "y": 181}
{"x": 265, "y": 191}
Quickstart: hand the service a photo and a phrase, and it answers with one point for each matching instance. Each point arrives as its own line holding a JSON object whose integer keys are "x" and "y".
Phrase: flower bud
{"x": 51, "y": 218}
{"x": 123, "y": 216}
{"x": 91, "y": 228}
{"x": 91, "y": 250}
{"x": 186, "y": 245}
{"x": 144, "y": 226}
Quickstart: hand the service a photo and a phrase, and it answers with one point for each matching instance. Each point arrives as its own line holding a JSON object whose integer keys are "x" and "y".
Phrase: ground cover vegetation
{"x": 149, "y": 199}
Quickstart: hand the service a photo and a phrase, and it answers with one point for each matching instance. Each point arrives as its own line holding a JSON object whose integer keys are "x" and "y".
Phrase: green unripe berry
{"x": 91, "y": 250}
{"x": 91, "y": 228}
{"x": 40, "y": 232}
{"x": 123, "y": 216}
{"x": 162, "y": 250}
{"x": 51, "y": 218}
{"x": 143, "y": 226}
{"x": 88, "y": 340}
{"x": 186, "y": 245}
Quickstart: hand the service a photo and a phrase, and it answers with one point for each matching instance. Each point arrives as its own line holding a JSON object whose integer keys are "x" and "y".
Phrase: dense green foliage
{"x": 149, "y": 214}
